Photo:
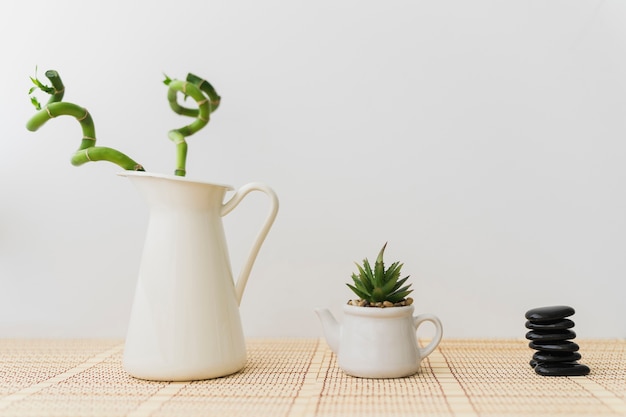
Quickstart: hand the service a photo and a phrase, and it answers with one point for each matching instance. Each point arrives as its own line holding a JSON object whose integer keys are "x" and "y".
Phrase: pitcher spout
{"x": 331, "y": 328}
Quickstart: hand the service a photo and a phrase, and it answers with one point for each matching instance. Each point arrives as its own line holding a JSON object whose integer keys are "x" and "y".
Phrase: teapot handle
{"x": 234, "y": 202}
{"x": 417, "y": 320}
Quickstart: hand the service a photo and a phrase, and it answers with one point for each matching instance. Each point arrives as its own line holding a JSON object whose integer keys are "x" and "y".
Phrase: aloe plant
{"x": 195, "y": 87}
{"x": 380, "y": 286}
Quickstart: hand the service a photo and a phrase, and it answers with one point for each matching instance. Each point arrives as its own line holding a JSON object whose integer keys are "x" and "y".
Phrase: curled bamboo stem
{"x": 87, "y": 151}
{"x": 207, "y": 101}
{"x": 57, "y": 84}
{"x": 200, "y": 90}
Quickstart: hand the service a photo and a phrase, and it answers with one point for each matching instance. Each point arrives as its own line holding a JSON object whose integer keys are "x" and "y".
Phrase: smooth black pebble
{"x": 550, "y": 336}
{"x": 561, "y": 369}
{"x": 543, "y": 356}
{"x": 565, "y": 346}
{"x": 551, "y": 325}
{"x": 552, "y": 313}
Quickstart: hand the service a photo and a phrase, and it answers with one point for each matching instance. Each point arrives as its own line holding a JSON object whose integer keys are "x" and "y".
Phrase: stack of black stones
{"x": 551, "y": 336}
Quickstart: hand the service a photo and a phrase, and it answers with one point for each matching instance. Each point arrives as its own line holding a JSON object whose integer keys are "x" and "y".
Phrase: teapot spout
{"x": 331, "y": 328}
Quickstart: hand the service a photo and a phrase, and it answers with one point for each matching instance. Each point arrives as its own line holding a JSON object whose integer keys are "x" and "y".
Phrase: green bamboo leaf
{"x": 35, "y": 103}
{"x": 38, "y": 84}
{"x": 41, "y": 85}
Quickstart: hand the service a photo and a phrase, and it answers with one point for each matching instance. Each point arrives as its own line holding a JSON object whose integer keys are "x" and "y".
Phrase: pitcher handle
{"x": 240, "y": 285}
{"x": 417, "y": 320}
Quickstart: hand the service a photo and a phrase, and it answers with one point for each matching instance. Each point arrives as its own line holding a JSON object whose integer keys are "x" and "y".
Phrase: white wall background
{"x": 484, "y": 139}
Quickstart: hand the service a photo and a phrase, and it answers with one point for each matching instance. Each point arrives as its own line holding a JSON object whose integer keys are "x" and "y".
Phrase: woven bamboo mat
{"x": 299, "y": 377}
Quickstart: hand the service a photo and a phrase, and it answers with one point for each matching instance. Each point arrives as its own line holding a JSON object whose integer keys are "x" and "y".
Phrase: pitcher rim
{"x": 172, "y": 178}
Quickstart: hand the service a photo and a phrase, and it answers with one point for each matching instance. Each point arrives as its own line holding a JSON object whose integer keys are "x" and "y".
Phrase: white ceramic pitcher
{"x": 185, "y": 322}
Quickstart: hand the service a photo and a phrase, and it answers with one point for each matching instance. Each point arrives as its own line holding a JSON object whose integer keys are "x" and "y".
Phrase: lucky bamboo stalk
{"x": 195, "y": 87}
{"x": 207, "y": 100}
{"x": 87, "y": 151}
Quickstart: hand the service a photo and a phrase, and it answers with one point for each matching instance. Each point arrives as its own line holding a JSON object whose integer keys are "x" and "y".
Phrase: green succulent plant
{"x": 378, "y": 285}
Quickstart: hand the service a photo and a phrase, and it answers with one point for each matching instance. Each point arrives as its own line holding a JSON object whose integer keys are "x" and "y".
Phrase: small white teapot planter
{"x": 378, "y": 342}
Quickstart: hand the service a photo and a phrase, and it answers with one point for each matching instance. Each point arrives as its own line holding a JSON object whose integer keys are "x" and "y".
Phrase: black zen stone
{"x": 543, "y": 356}
{"x": 533, "y": 363}
{"x": 551, "y": 325}
{"x": 555, "y": 335}
{"x": 546, "y": 314}
{"x": 565, "y": 346}
{"x": 562, "y": 369}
